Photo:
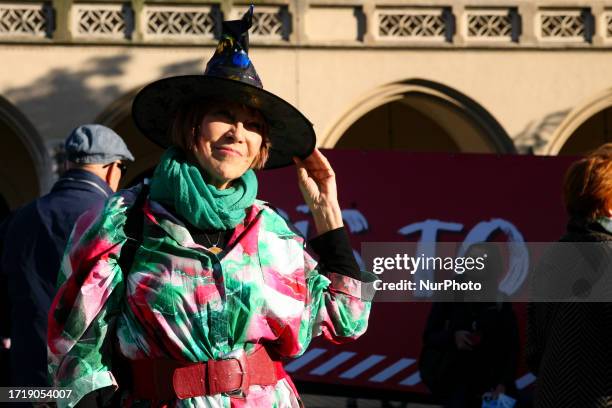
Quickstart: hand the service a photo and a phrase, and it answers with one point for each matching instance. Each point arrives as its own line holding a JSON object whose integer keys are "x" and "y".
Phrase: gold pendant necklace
{"x": 213, "y": 247}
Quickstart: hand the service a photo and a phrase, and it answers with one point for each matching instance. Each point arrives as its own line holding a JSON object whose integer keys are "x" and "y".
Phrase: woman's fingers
{"x": 304, "y": 175}
{"x": 318, "y": 186}
{"x": 298, "y": 162}
{"x": 301, "y": 170}
{"x": 316, "y": 167}
{"x": 317, "y": 161}
{"x": 316, "y": 177}
{"x": 322, "y": 157}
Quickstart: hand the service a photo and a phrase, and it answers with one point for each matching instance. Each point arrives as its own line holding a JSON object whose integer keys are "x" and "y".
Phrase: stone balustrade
{"x": 317, "y": 23}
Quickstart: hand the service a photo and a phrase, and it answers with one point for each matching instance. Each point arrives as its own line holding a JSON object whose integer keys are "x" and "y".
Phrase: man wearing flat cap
{"x": 35, "y": 236}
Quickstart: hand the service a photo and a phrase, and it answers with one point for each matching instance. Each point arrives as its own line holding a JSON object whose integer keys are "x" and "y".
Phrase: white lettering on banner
{"x": 518, "y": 266}
{"x": 354, "y": 220}
{"x": 359, "y": 260}
{"x": 518, "y": 254}
{"x": 302, "y": 226}
{"x": 427, "y": 246}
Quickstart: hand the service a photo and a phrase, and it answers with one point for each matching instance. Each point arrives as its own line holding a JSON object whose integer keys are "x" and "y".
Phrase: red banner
{"x": 397, "y": 196}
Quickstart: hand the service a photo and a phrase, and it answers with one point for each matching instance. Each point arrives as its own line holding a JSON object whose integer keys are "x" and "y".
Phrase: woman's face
{"x": 229, "y": 141}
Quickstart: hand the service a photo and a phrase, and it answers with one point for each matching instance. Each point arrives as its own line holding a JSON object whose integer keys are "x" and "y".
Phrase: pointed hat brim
{"x": 155, "y": 106}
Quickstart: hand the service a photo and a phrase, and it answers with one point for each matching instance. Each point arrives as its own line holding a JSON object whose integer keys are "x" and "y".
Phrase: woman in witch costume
{"x": 220, "y": 286}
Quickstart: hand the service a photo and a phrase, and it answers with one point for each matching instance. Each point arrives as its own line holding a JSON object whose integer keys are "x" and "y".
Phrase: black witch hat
{"x": 230, "y": 76}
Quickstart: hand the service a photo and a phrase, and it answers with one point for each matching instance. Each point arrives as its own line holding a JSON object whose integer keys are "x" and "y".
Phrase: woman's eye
{"x": 257, "y": 126}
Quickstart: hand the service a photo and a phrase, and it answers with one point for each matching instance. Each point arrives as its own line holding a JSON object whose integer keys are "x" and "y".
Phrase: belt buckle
{"x": 243, "y": 389}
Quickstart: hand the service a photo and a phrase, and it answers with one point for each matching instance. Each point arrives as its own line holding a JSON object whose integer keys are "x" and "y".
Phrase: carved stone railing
{"x": 101, "y": 21}
{"x": 179, "y": 23}
{"x": 605, "y": 22}
{"x": 412, "y": 24}
{"x": 25, "y": 20}
{"x": 570, "y": 25}
{"x": 494, "y": 24}
{"x": 352, "y": 23}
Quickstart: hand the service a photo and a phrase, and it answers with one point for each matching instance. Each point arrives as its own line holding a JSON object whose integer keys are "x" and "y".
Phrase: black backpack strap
{"x": 133, "y": 230}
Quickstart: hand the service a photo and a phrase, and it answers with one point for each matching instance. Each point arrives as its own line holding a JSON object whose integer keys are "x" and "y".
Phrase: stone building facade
{"x": 493, "y": 76}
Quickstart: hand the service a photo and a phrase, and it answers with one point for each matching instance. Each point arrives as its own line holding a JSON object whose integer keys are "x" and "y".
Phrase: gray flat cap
{"x": 95, "y": 144}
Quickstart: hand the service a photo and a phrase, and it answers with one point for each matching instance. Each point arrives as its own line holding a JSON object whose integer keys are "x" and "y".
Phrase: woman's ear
{"x": 262, "y": 157}
{"x": 193, "y": 140}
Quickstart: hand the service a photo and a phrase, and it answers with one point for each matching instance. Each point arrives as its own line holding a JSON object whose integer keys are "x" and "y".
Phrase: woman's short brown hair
{"x": 588, "y": 184}
{"x": 186, "y": 125}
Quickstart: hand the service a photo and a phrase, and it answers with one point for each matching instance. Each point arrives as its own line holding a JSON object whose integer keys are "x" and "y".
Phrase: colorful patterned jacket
{"x": 182, "y": 302}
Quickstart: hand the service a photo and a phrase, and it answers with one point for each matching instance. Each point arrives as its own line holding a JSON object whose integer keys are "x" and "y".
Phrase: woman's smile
{"x": 227, "y": 151}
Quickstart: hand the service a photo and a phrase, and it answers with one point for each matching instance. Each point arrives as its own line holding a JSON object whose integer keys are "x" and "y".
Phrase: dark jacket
{"x": 492, "y": 361}
{"x": 33, "y": 241}
{"x": 569, "y": 344}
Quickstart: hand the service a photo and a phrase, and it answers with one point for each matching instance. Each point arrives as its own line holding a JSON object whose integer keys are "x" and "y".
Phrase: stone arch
{"x": 576, "y": 119}
{"x": 27, "y": 169}
{"x": 118, "y": 116}
{"x": 469, "y": 126}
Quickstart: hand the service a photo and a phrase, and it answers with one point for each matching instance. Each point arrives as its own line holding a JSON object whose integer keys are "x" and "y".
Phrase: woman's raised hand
{"x": 317, "y": 182}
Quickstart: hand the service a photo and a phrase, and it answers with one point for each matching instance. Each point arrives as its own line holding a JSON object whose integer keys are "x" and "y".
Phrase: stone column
{"x": 371, "y": 28}
{"x": 299, "y": 10}
{"x": 226, "y": 8}
{"x": 458, "y": 10}
{"x": 598, "y": 11}
{"x": 528, "y": 13}
{"x": 139, "y": 21}
{"x": 62, "y": 32}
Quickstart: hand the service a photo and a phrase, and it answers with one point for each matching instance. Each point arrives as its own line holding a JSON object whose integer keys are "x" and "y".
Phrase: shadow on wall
{"x": 90, "y": 92}
{"x": 67, "y": 95}
{"x": 55, "y": 104}
{"x": 191, "y": 67}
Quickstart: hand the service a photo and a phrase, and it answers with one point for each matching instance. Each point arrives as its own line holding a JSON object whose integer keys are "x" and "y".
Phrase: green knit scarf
{"x": 180, "y": 184}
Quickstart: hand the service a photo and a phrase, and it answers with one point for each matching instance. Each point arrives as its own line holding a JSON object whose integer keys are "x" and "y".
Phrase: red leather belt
{"x": 161, "y": 379}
